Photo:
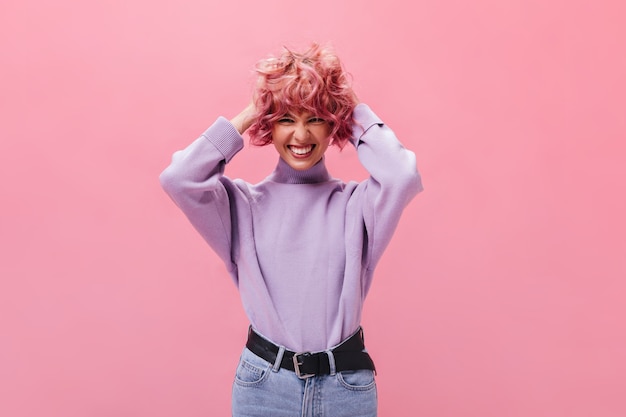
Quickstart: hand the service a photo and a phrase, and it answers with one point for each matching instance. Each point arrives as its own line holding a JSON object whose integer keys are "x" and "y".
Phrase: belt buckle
{"x": 296, "y": 365}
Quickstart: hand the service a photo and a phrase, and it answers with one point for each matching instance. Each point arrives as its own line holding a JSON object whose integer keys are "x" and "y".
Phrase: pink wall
{"x": 501, "y": 295}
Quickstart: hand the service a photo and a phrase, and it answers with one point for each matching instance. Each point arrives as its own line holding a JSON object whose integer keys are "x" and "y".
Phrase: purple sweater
{"x": 300, "y": 245}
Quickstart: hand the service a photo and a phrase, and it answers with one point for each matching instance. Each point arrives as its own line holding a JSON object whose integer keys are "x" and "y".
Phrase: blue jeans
{"x": 265, "y": 390}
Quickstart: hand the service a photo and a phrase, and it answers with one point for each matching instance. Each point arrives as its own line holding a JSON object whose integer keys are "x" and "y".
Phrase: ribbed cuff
{"x": 225, "y": 137}
{"x": 364, "y": 118}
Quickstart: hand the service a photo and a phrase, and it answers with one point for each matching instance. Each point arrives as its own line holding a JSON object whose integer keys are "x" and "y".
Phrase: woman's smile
{"x": 301, "y": 151}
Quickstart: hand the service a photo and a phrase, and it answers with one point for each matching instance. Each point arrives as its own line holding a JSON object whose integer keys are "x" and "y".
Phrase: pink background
{"x": 501, "y": 295}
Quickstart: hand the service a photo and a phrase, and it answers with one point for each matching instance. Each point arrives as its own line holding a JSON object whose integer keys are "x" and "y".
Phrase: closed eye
{"x": 285, "y": 120}
{"x": 316, "y": 120}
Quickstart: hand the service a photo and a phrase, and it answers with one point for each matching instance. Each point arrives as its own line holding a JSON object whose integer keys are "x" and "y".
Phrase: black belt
{"x": 349, "y": 356}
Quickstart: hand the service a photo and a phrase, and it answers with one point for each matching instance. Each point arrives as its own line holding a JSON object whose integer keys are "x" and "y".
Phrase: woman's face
{"x": 301, "y": 139}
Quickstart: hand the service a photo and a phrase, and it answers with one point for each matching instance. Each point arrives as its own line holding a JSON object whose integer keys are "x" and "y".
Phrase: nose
{"x": 300, "y": 132}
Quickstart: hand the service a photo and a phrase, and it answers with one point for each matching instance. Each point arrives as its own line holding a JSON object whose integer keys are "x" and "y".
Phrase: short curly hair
{"x": 312, "y": 81}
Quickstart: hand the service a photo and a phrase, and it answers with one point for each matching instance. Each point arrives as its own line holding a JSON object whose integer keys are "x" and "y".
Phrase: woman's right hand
{"x": 244, "y": 119}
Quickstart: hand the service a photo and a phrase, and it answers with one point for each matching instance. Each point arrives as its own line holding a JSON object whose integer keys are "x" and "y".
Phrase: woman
{"x": 300, "y": 245}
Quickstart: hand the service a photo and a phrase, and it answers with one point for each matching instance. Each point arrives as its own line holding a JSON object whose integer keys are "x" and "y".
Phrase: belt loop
{"x": 331, "y": 362}
{"x": 279, "y": 358}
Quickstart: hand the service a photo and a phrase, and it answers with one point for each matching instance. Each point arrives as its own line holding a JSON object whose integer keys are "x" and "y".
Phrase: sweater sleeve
{"x": 195, "y": 181}
{"x": 393, "y": 182}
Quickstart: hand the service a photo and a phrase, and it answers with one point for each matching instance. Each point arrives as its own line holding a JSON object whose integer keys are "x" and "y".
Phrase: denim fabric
{"x": 263, "y": 390}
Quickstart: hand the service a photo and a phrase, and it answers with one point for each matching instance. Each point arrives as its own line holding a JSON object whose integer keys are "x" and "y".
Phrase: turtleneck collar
{"x": 287, "y": 175}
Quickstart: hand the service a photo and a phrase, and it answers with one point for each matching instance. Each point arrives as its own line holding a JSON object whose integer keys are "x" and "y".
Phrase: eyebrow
{"x": 306, "y": 116}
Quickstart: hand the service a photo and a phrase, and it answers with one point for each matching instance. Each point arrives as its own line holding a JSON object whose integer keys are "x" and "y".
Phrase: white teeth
{"x": 301, "y": 151}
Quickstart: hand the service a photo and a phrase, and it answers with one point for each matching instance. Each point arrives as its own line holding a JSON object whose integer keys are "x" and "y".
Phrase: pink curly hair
{"x": 312, "y": 81}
